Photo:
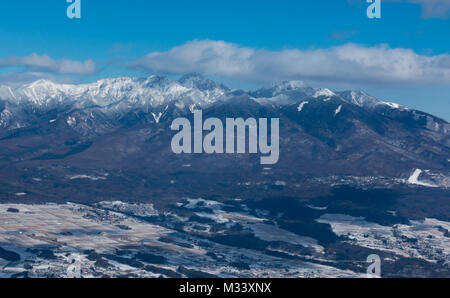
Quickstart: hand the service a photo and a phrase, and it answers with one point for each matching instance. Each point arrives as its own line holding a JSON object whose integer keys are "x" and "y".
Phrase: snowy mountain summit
{"x": 153, "y": 91}
{"x": 109, "y": 103}
{"x": 156, "y": 91}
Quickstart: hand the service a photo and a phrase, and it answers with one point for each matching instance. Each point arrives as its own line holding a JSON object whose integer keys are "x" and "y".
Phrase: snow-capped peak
{"x": 359, "y": 98}
{"x": 365, "y": 100}
{"x": 198, "y": 81}
{"x": 297, "y": 88}
{"x": 41, "y": 83}
{"x": 44, "y": 85}
{"x": 156, "y": 81}
{"x": 156, "y": 91}
{"x": 152, "y": 91}
{"x": 323, "y": 92}
{"x": 42, "y": 92}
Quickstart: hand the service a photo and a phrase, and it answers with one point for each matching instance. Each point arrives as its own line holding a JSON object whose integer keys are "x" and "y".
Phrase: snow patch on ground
{"x": 302, "y": 105}
{"x": 138, "y": 209}
{"x": 426, "y": 239}
{"x": 338, "y": 110}
{"x": 323, "y": 92}
{"x": 414, "y": 179}
{"x": 317, "y": 208}
{"x": 393, "y": 105}
{"x": 93, "y": 178}
{"x": 71, "y": 121}
{"x": 157, "y": 117}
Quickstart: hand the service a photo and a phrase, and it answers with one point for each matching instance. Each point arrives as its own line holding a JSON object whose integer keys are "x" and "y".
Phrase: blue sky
{"x": 402, "y": 57}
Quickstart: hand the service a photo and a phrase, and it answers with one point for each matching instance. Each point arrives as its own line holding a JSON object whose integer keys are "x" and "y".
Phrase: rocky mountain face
{"x": 356, "y": 176}
{"x": 113, "y": 137}
{"x": 322, "y": 133}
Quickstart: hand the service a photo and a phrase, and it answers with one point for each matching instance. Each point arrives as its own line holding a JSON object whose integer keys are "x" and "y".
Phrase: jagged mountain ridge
{"x": 123, "y": 125}
{"x": 122, "y": 95}
{"x": 108, "y": 99}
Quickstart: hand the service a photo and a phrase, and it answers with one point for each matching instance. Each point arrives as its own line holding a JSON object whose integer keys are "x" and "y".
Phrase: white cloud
{"x": 430, "y": 8}
{"x": 349, "y": 63}
{"x": 44, "y": 63}
{"x": 20, "y": 78}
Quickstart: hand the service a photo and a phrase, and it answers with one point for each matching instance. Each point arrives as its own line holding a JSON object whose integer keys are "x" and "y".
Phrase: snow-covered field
{"x": 106, "y": 238}
{"x": 59, "y": 240}
{"x": 426, "y": 239}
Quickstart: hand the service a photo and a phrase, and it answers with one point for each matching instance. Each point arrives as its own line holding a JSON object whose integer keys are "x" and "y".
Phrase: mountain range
{"x": 321, "y": 128}
{"x": 123, "y": 124}
{"x": 356, "y": 175}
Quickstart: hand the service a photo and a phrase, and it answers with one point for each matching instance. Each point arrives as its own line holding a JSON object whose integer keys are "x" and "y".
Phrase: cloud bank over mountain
{"x": 44, "y": 63}
{"x": 349, "y": 63}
